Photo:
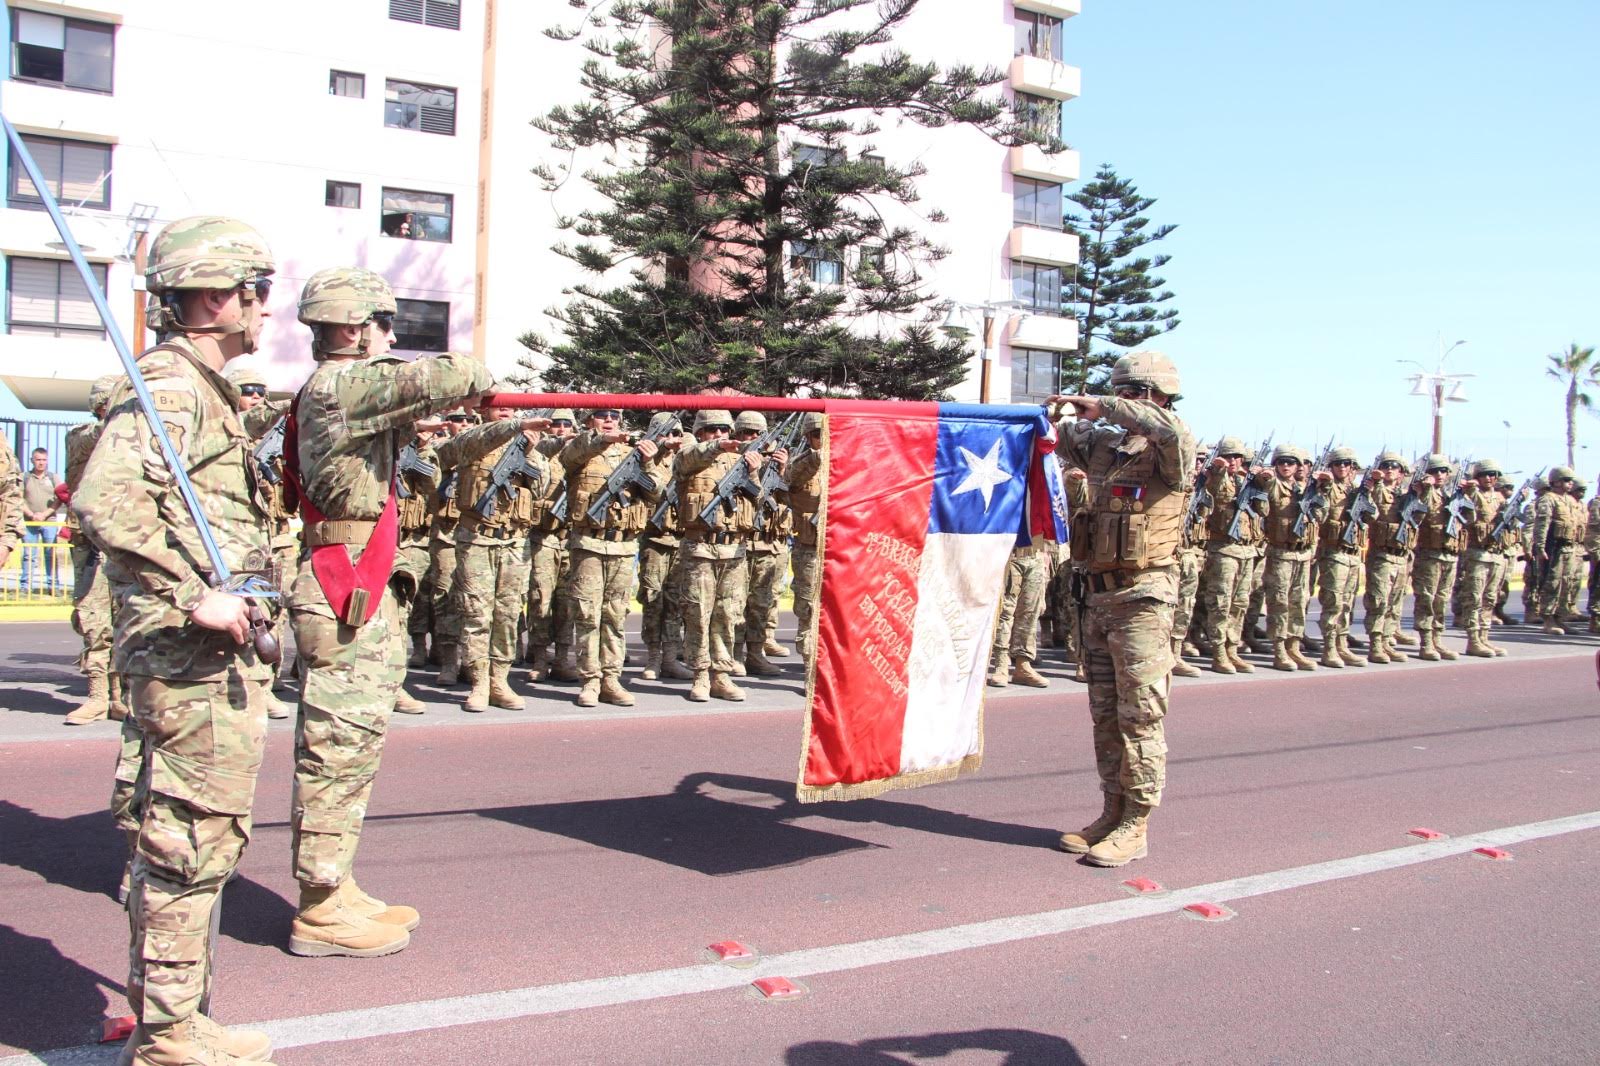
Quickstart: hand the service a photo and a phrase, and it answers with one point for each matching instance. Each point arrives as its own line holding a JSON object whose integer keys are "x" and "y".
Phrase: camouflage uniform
{"x": 1484, "y": 563}
{"x": 352, "y": 415}
{"x": 1341, "y": 542}
{"x": 1532, "y": 572}
{"x": 1230, "y": 566}
{"x": 413, "y": 562}
{"x": 766, "y": 558}
{"x": 1388, "y": 562}
{"x": 1289, "y": 557}
{"x": 1015, "y": 647}
{"x": 91, "y": 595}
{"x": 550, "y": 614}
{"x": 1140, "y": 466}
{"x": 1591, "y": 545}
{"x": 11, "y": 528}
{"x": 444, "y": 516}
{"x": 805, "y": 500}
{"x": 1433, "y": 571}
{"x": 714, "y": 565}
{"x": 1558, "y": 530}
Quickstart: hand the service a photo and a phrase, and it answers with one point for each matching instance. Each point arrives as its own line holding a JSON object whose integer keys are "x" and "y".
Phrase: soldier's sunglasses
{"x": 262, "y": 287}
{"x": 252, "y": 390}
{"x": 458, "y": 418}
{"x": 1343, "y": 462}
{"x": 606, "y": 413}
{"x": 1389, "y": 465}
{"x": 561, "y": 422}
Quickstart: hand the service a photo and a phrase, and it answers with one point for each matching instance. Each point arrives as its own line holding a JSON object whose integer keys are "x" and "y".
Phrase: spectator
{"x": 39, "y": 504}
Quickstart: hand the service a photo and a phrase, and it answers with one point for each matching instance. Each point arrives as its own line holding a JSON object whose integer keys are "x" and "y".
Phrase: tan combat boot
{"x": 652, "y": 663}
{"x": 700, "y": 691}
{"x": 1180, "y": 668}
{"x": 612, "y": 692}
{"x": 419, "y": 651}
{"x": 1280, "y": 656}
{"x": 195, "y": 1041}
{"x": 406, "y": 918}
{"x": 450, "y": 665}
{"x": 1127, "y": 841}
{"x": 1023, "y": 673}
{"x": 672, "y": 664}
{"x": 1552, "y": 628}
{"x": 1220, "y": 662}
{"x": 775, "y": 650}
{"x": 756, "y": 664}
{"x": 478, "y": 698}
{"x": 1392, "y": 650}
{"x": 999, "y": 675}
{"x": 1376, "y": 649}
{"x": 1348, "y": 657}
{"x": 723, "y": 688}
{"x": 119, "y": 706}
{"x": 97, "y": 707}
{"x": 1404, "y": 639}
{"x": 539, "y": 664}
{"x": 501, "y": 694}
{"x": 1238, "y": 661}
{"x": 1091, "y": 834}
{"x": 564, "y": 668}
{"x": 738, "y": 670}
{"x": 248, "y": 1045}
{"x": 406, "y": 703}
{"x": 1428, "y": 654}
{"x": 1330, "y": 652}
{"x": 327, "y": 925}
{"x": 276, "y": 708}
{"x": 1296, "y": 656}
{"x": 1443, "y": 650}
{"x": 589, "y": 694}
{"x": 1478, "y": 644}
{"x": 1491, "y": 645}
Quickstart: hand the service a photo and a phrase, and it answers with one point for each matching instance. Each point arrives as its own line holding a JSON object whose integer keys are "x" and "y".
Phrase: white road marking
{"x": 399, "y": 1018}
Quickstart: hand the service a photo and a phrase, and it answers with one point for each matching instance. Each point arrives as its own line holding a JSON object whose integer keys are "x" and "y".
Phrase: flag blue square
{"x": 980, "y": 475}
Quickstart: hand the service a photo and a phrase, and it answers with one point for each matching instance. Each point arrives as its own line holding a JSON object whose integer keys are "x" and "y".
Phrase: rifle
{"x": 411, "y": 463}
{"x": 1311, "y": 493}
{"x": 737, "y": 481}
{"x": 628, "y": 480}
{"x": 773, "y": 479}
{"x": 270, "y": 450}
{"x": 1362, "y": 509}
{"x": 1511, "y": 514}
{"x": 669, "y": 502}
{"x": 1250, "y": 493}
{"x": 1410, "y": 518}
{"x": 1461, "y": 509}
{"x": 558, "y": 504}
{"x": 1200, "y": 499}
{"x": 512, "y": 462}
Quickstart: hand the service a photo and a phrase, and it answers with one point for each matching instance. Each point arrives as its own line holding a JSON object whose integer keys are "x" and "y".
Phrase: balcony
{"x": 1046, "y": 332}
{"x": 1032, "y": 161}
{"x": 1061, "y": 9}
{"x": 1045, "y": 77}
{"x": 1037, "y": 245}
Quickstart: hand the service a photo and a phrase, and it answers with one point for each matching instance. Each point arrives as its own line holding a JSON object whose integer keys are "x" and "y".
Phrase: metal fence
{"x": 24, "y": 435}
{"x": 40, "y": 571}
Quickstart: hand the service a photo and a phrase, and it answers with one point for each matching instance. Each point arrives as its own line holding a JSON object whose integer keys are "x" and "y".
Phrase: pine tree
{"x": 750, "y": 266}
{"x": 1113, "y": 294}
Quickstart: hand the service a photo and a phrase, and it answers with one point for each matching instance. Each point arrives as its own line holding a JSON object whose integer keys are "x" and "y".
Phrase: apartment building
{"x": 394, "y": 134}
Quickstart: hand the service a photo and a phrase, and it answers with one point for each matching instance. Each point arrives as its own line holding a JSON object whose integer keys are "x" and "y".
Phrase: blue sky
{"x": 1351, "y": 180}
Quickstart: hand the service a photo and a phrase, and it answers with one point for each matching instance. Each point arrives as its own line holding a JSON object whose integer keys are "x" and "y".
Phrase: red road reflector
{"x": 1427, "y": 834}
{"x": 1141, "y": 885}
{"x": 731, "y": 951}
{"x": 116, "y": 1028}
{"x": 1499, "y": 854}
{"x": 777, "y": 988}
{"x": 1208, "y": 912}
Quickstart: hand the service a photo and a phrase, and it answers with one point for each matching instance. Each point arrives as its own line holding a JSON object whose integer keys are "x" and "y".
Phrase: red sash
{"x": 354, "y": 590}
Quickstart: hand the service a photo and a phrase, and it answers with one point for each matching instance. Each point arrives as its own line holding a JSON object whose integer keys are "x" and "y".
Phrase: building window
{"x": 1040, "y": 114}
{"x": 422, "y": 325}
{"x": 874, "y": 260}
{"x": 1037, "y": 287}
{"x": 1036, "y": 203}
{"x": 77, "y": 173}
{"x": 820, "y": 264}
{"x": 429, "y": 108}
{"x": 344, "y": 83}
{"x": 1038, "y": 35}
{"x": 417, "y": 216}
{"x": 809, "y": 155}
{"x": 1035, "y": 375}
{"x": 46, "y": 297}
{"x": 344, "y": 194}
{"x": 61, "y": 51}
{"x": 445, "y": 14}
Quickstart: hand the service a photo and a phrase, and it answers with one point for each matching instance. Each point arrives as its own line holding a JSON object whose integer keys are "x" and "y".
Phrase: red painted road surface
{"x": 551, "y": 852}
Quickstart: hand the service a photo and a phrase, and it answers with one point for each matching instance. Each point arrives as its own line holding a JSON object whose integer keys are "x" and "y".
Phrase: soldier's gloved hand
{"x": 223, "y": 612}
{"x": 648, "y": 449}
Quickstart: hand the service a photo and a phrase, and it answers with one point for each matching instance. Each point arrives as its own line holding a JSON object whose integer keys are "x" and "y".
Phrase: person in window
{"x": 401, "y": 224}
{"x": 39, "y": 506}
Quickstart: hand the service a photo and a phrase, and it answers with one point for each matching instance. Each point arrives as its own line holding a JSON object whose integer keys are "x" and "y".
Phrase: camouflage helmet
{"x": 1557, "y": 473}
{"x": 1290, "y": 451}
{"x": 1505, "y": 484}
{"x": 713, "y": 417}
{"x": 1387, "y": 456}
{"x": 561, "y": 414}
{"x": 242, "y": 375}
{"x": 1232, "y": 446}
{"x": 1541, "y": 483}
{"x": 100, "y": 392}
{"x": 1436, "y": 461}
{"x": 1344, "y": 454}
{"x": 1146, "y": 368}
{"x": 1579, "y": 486}
{"x": 664, "y": 422}
{"x": 206, "y": 252}
{"x": 1483, "y": 467}
{"x": 343, "y": 296}
{"x": 750, "y": 422}
{"x": 812, "y": 422}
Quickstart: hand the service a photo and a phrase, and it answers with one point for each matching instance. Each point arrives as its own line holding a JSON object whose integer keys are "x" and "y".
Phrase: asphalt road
{"x": 572, "y": 870}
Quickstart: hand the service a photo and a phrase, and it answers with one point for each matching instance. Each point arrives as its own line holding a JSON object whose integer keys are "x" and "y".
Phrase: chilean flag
{"x": 924, "y": 505}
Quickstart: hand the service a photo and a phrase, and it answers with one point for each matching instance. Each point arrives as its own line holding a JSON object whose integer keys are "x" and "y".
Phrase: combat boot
{"x": 1220, "y": 662}
{"x": 1376, "y": 652}
{"x": 1427, "y": 653}
{"x": 1330, "y": 652}
{"x": 1238, "y": 660}
{"x": 326, "y": 924}
{"x": 406, "y": 918}
{"x": 195, "y": 1041}
{"x": 1552, "y": 628}
{"x": 1353, "y": 641}
{"x": 589, "y": 694}
{"x": 406, "y": 703}
{"x": 999, "y": 676}
{"x": 652, "y": 663}
{"x": 119, "y": 706}
{"x": 612, "y": 692}
{"x": 1023, "y": 673}
{"x": 478, "y": 698}
{"x": 1127, "y": 841}
{"x": 97, "y": 707}
{"x": 450, "y": 665}
{"x": 672, "y": 664}
{"x": 1296, "y": 656}
{"x": 738, "y": 670}
{"x": 1443, "y": 650}
{"x": 1346, "y": 656}
{"x": 1091, "y": 834}
{"x": 1280, "y": 656}
{"x": 501, "y": 694}
{"x": 1179, "y": 667}
{"x": 276, "y": 708}
{"x": 723, "y": 688}
{"x": 1392, "y": 650}
{"x": 775, "y": 650}
{"x": 1478, "y": 644}
{"x": 700, "y": 691}
{"x": 1497, "y": 649}
{"x": 564, "y": 668}
{"x": 756, "y": 664}
{"x": 1191, "y": 649}
{"x": 419, "y": 651}
{"x": 1404, "y": 639}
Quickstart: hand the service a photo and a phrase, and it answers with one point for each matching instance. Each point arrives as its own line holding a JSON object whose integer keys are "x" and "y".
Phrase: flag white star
{"x": 983, "y": 474}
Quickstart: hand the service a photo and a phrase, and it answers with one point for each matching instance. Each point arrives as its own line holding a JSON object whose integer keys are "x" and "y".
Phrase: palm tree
{"x": 1576, "y": 369}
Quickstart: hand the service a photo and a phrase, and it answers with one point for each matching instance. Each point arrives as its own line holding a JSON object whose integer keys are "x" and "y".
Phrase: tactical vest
{"x": 776, "y": 524}
{"x": 414, "y": 516}
{"x": 1431, "y": 535}
{"x": 1479, "y": 533}
{"x": 1566, "y": 521}
{"x": 1219, "y": 523}
{"x": 1134, "y": 520}
{"x": 1330, "y": 535}
{"x": 699, "y": 489}
{"x": 516, "y": 507}
{"x": 588, "y": 480}
{"x": 805, "y": 500}
{"x": 1283, "y": 513}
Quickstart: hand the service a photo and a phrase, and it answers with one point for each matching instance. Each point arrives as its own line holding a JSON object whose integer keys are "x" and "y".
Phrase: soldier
{"x": 1340, "y": 545}
{"x": 1139, "y": 467}
{"x": 1438, "y": 553}
{"x": 1591, "y": 545}
{"x": 1233, "y": 533}
{"x": 660, "y": 579}
{"x": 196, "y": 683}
{"x": 1531, "y": 574}
{"x": 1485, "y": 560}
{"x": 91, "y": 595}
{"x": 1191, "y": 560}
{"x": 714, "y": 558}
{"x": 766, "y": 556}
{"x": 550, "y": 614}
{"x": 1513, "y": 552}
{"x": 445, "y": 508}
{"x": 417, "y": 482}
{"x": 345, "y": 431}
{"x": 1290, "y": 550}
{"x": 603, "y": 549}
{"x": 493, "y": 550}
{"x": 1557, "y": 539}
{"x": 805, "y": 500}
{"x": 1388, "y": 560}
{"x": 1016, "y": 632}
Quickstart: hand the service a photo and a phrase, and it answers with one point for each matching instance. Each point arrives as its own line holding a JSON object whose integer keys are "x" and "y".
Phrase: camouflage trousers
{"x": 352, "y": 676}
{"x": 445, "y": 610}
{"x": 1594, "y": 580}
{"x": 91, "y": 609}
{"x": 807, "y": 566}
{"x": 1483, "y": 573}
{"x": 713, "y": 600}
{"x": 410, "y": 583}
{"x": 1191, "y": 560}
{"x": 1385, "y": 595}
{"x": 660, "y": 594}
{"x": 1128, "y": 657}
{"x": 1563, "y": 580}
{"x": 1016, "y": 627}
{"x": 491, "y": 588}
{"x": 286, "y": 560}
{"x": 1288, "y": 586}
{"x": 1433, "y": 576}
{"x": 1504, "y": 594}
{"x": 1531, "y": 576}
{"x": 765, "y": 572}
{"x": 1338, "y": 581}
{"x": 1225, "y": 586}
{"x": 549, "y": 600}
{"x": 1258, "y": 592}
{"x": 205, "y": 743}
{"x": 128, "y": 785}
{"x": 600, "y": 586}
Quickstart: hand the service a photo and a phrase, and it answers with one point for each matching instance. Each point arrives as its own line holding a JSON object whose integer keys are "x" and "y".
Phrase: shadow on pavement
{"x": 252, "y": 913}
{"x": 1012, "y": 1047}
{"x": 38, "y": 701}
{"x": 51, "y": 1001}
{"x": 85, "y": 852}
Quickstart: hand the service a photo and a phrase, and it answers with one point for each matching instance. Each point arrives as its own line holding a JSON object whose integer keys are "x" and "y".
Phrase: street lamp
{"x": 958, "y": 323}
{"x": 1440, "y": 387}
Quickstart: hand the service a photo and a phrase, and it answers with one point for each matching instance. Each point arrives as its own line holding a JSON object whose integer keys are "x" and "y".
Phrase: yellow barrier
{"x": 36, "y": 582}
